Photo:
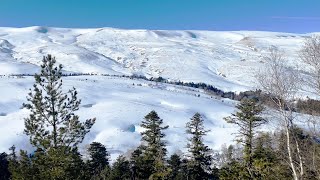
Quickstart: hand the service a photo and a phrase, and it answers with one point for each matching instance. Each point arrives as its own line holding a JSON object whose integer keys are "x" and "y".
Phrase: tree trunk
{"x": 294, "y": 172}
{"x": 300, "y": 159}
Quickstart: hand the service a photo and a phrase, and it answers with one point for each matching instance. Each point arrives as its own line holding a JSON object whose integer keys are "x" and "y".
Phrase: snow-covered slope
{"x": 219, "y": 58}
{"x": 119, "y": 104}
{"x": 227, "y": 60}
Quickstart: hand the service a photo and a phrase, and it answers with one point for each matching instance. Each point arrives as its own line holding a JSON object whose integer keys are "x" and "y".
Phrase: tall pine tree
{"x": 248, "y": 119}
{"x": 53, "y": 128}
{"x": 120, "y": 169}
{"x": 154, "y": 149}
{"x": 52, "y": 121}
{"x": 99, "y": 159}
{"x": 200, "y": 162}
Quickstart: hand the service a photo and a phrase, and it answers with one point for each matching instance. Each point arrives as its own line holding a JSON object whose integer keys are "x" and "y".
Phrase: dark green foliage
{"x": 248, "y": 120}
{"x": 53, "y": 128}
{"x": 199, "y": 166}
{"x": 56, "y": 164}
{"x": 141, "y": 167}
{"x": 233, "y": 171}
{"x": 59, "y": 163}
{"x": 161, "y": 171}
{"x": 120, "y": 169}
{"x": 264, "y": 157}
{"x": 184, "y": 171}
{"x": 154, "y": 151}
{"x": 4, "y": 167}
{"x": 99, "y": 159}
{"x": 174, "y": 164}
{"x": 148, "y": 160}
{"x": 52, "y": 122}
{"x": 22, "y": 169}
{"x": 153, "y": 136}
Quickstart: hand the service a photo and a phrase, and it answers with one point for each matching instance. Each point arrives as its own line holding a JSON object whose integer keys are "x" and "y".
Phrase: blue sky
{"x": 269, "y": 15}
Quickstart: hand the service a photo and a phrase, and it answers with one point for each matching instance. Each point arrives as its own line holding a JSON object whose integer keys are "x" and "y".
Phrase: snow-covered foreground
{"x": 119, "y": 105}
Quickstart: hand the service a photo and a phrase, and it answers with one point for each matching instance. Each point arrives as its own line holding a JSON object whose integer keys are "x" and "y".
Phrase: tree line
{"x": 302, "y": 105}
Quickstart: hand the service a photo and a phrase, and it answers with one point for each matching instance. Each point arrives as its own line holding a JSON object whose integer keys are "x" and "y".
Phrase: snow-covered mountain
{"x": 227, "y": 60}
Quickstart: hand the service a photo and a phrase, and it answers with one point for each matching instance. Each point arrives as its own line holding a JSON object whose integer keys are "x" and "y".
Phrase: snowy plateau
{"x": 226, "y": 60}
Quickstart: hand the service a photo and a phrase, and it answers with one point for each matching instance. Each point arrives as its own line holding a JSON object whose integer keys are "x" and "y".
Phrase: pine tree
{"x": 120, "y": 169}
{"x": 52, "y": 122}
{"x": 22, "y": 169}
{"x": 153, "y": 135}
{"x": 161, "y": 171}
{"x": 141, "y": 168}
{"x": 175, "y": 165}
{"x": 233, "y": 170}
{"x": 200, "y": 163}
{"x": 53, "y": 128}
{"x": 55, "y": 164}
{"x": 184, "y": 172}
{"x": 154, "y": 151}
{"x": 264, "y": 158}
{"x": 13, "y": 162}
{"x": 99, "y": 159}
{"x": 4, "y": 166}
{"x": 248, "y": 120}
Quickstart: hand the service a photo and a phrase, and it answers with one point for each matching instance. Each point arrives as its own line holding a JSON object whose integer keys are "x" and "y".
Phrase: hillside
{"x": 226, "y": 60}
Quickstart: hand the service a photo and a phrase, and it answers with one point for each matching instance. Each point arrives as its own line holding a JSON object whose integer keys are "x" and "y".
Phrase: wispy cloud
{"x": 296, "y": 17}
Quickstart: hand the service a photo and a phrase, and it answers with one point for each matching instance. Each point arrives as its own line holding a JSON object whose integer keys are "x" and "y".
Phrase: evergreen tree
{"x": 264, "y": 158}
{"x": 248, "y": 120}
{"x": 154, "y": 151}
{"x": 200, "y": 163}
{"x": 4, "y": 166}
{"x": 58, "y": 163}
{"x": 99, "y": 159}
{"x": 184, "y": 172}
{"x": 13, "y": 162}
{"x": 120, "y": 169}
{"x": 23, "y": 168}
{"x": 53, "y": 128}
{"x": 52, "y": 122}
{"x": 153, "y": 136}
{"x": 141, "y": 168}
{"x": 161, "y": 171}
{"x": 174, "y": 164}
{"x": 233, "y": 170}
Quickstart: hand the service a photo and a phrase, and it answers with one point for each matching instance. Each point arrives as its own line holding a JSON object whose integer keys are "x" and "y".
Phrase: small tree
{"x": 200, "y": 163}
{"x": 120, "y": 169}
{"x": 4, "y": 166}
{"x": 99, "y": 159}
{"x": 248, "y": 120}
{"x": 175, "y": 165}
{"x": 140, "y": 167}
{"x": 52, "y": 121}
{"x": 264, "y": 158}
